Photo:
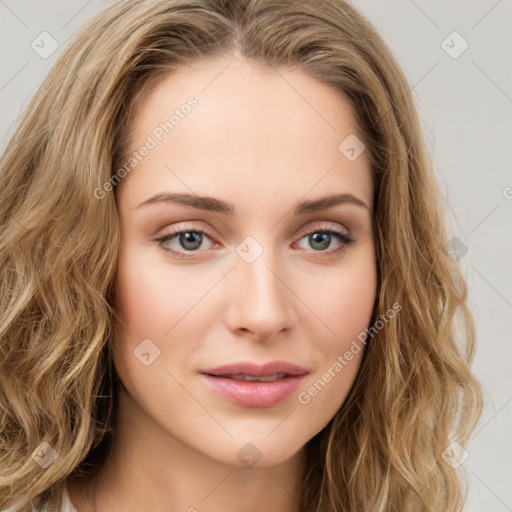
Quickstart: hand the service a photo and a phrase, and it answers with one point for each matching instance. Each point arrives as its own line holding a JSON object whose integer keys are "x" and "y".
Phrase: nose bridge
{"x": 260, "y": 300}
{"x": 258, "y": 268}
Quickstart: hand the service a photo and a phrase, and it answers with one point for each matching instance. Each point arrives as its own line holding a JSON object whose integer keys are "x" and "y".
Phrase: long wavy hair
{"x": 414, "y": 393}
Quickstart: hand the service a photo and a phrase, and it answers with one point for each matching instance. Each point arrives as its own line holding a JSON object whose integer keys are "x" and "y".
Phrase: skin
{"x": 261, "y": 140}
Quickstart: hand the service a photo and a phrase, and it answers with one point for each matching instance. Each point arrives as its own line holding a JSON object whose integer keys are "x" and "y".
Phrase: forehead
{"x": 253, "y": 130}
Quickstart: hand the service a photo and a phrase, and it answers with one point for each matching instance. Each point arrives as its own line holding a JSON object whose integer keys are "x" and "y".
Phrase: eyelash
{"x": 345, "y": 239}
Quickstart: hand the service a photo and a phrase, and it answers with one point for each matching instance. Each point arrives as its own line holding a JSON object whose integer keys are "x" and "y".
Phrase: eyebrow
{"x": 216, "y": 205}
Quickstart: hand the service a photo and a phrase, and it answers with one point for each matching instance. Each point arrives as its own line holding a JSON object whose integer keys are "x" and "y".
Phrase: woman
{"x": 223, "y": 276}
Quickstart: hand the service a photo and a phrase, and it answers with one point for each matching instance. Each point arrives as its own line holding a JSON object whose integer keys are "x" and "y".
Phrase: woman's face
{"x": 256, "y": 276}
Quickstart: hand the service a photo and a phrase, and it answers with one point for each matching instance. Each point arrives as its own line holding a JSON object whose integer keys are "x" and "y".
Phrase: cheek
{"x": 139, "y": 302}
{"x": 142, "y": 308}
{"x": 346, "y": 311}
{"x": 149, "y": 302}
{"x": 344, "y": 300}
{"x": 151, "y": 295}
{"x": 158, "y": 301}
{"x": 351, "y": 311}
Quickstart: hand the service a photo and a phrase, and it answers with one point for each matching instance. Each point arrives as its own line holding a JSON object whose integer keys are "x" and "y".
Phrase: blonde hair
{"x": 414, "y": 393}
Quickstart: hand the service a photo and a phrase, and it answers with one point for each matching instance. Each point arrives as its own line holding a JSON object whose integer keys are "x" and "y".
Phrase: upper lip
{"x": 256, "y": 370}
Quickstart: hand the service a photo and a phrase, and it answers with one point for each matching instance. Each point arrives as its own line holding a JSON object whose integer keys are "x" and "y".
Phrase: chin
{"x": 257, "y": 454}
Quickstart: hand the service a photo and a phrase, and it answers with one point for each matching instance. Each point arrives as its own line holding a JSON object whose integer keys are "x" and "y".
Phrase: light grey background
{"x": 466, "y": 109}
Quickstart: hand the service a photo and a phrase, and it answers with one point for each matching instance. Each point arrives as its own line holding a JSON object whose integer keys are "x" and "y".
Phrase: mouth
{"x": 250, "y": 385}
{"x": 253, "y": 378}
{"x": 273, "y": 370}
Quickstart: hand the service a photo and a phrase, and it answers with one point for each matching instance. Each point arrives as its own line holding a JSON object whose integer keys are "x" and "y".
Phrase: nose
{"x": 261, "y": 302}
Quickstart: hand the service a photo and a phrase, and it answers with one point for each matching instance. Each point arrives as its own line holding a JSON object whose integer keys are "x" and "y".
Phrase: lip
{"x": 249, "y": 368}
{"x": 255, "y": 394}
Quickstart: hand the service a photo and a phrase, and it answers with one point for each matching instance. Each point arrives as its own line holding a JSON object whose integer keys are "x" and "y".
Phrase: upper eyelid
{"x": 326, "y": 225}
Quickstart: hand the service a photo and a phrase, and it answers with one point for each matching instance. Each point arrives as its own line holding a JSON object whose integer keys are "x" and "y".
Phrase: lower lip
{"x": 255, "y": 393}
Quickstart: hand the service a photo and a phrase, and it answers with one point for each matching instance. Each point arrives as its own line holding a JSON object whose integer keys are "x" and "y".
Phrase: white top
{"x": 67, "y": 506}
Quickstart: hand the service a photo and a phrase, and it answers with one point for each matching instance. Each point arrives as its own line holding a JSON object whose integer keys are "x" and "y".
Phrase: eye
{"x": 322, "y": 238}
{"x": 191, "y": 240}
